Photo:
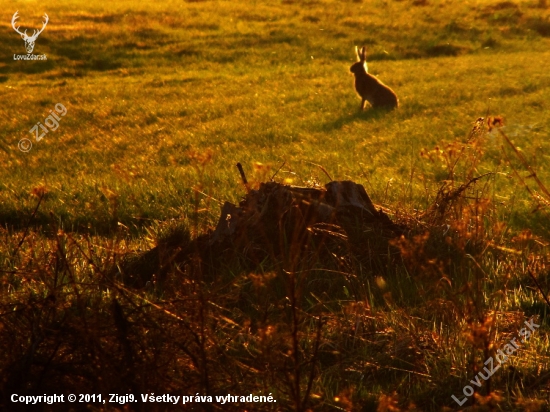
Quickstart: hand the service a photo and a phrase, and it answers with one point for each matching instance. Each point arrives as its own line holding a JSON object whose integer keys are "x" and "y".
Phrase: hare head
{"x": 369, "y": 87}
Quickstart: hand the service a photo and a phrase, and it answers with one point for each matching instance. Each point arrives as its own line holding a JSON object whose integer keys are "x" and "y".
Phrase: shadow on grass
{"x": 367, "y": 115}
{"x": 43, "y": 222}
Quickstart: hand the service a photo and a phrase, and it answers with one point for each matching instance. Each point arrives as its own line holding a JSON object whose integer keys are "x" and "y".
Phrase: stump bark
{"x": 274, "y": 210}
{"x": 283, "y": 224}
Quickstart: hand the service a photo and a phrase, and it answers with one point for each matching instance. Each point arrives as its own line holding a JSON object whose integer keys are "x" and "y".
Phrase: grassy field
{"x": 164, "y": 98}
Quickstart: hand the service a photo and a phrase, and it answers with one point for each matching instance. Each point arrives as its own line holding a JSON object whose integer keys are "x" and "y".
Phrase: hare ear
{"x": 357, "y": 53}
{"x": 364, "y": 58}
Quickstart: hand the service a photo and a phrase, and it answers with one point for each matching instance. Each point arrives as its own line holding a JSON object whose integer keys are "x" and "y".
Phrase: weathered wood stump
{"x": 274, "y": 210}
{"x": 282, "y": 223}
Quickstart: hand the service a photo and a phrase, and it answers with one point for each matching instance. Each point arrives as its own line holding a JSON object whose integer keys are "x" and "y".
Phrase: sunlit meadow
{"x": 164, "y": 98}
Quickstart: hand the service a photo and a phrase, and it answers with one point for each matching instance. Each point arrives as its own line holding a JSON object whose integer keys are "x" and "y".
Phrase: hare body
{"x": 369, "y": 87}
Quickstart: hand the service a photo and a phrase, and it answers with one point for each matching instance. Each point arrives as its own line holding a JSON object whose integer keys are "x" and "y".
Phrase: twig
{"x": 243, "y": 176}
{"x": 313, "y": 360}
{"x": 275, "y": 174}
{"x": 202, "y": 193}
{"x": 526, "y": 164}
{"x": 539, "y": 287}
{"x": 520, "y": 178}
{"x": 320, "y": 167}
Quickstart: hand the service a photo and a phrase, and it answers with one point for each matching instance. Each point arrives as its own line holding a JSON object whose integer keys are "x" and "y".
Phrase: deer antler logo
{"x": 29, "y": 40}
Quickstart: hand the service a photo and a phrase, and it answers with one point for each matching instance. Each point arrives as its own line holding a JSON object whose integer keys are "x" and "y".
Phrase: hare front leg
{"x": 363, "y": 104}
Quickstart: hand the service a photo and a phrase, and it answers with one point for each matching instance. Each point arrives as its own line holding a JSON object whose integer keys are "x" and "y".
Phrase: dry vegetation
{"x": 343, "y": 323}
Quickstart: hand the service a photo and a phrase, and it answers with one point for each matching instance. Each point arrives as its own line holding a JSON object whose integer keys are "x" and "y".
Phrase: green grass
{"x": 264, "y": 83}
{"x": 164, "y": 99}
